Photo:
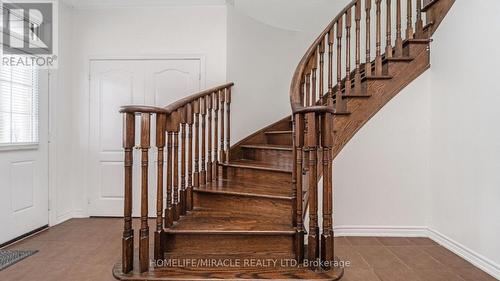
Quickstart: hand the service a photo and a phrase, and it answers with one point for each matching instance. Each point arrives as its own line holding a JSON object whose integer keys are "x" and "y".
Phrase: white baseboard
{"x": 62, "y": 218}
{"x": 79, "y": 214}
{"x": 381, "y": 231}
{"x": 469, "y": 255}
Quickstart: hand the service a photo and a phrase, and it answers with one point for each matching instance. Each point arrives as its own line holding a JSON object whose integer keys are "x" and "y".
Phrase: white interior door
{"x": 23, "y": 167}
{"x": 114, "y": 83}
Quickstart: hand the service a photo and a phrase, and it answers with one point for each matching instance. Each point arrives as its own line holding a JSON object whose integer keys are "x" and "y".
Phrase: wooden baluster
{"x": 203, "y": 111}
{"x": 311, "y": 144}
{"x": 182, "y": 195}
{"x": 196, "y": 175}
{"x": 302, "y": 91}
{"x": 368, "y": 60}
{"x": 314, "y": 67}
{"x": 409, "y": 23}
{"x": 160, "y": 144}
{"x": 321, "y": 71}
{"x": 228, "y": 135}
{"x": 189, "y": 191}
{"x": 128, "y": 231}
{"x": 388, "y": 34}
{"x": 340, "y": 105}
{"x": 222, "y": 99}
{"x": 175, "y": 127}
{"x": 169, "y": 213}
{"x": 299, "y": 129}
{"x": 419, "y": 24}
{"x": 399, "y": 40}
{"x": 330, "y": 66}
{"x": 357, "y": 75}
{"x": 327, "y": 245}
{"x": 308, "y": 85}
{"x": 348, "y": 23}
{"x": 144, "y": 232}
{"x": 215, "y": 163}
{"x": 378, "y": 58}
{"x": 209, "y": 104}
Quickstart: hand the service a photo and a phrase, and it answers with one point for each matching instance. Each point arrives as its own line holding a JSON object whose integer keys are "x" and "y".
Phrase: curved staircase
{"x": 237, "y": 212}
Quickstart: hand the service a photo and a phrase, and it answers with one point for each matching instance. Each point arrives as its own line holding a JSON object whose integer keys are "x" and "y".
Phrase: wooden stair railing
{"x": 314, "y": 109}
{"x": 174, "y": 129}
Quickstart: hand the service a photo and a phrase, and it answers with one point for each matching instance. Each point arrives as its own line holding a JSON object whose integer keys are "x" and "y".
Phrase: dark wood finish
{"x": 368, "y": 65}
{"x": 388, "y": 34}
{"x": 209, "y": 105}
{"x": 331, "y": 39}
{"x": 215, "y": 162}
{"x": 196, "y": 175}
{"x": 348, "y": 23}
{"x": 398, "y": 50}
{"x": 128, "y": 232}
{"x": 222, "y": 99}
{"x": 160, "y": 144}
{"x": 189, "y": 192}
{"x": 311, "y": 147}
{"x": 327, "y": 250}
{"x": 378, "y": 56}
{"x": 419, "y": 24}
{"x": 144, "y": 231}
{"x": 409, "y": 19}
{"x": 203, "y": 111}
{"x": 183, "y": 152}
{"x": 357, "y": 75}
{"x": 340, "y": 104}
{"x": 228, "y": 134}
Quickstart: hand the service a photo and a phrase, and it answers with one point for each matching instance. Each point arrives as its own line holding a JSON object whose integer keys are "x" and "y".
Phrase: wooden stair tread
{"x": 268, "y": 146}
{"x": 417, "y": 41}
{"x": 378, "y": 77}
{"x": 220, "y": 222}
{"x": 228, "y": 273}
{"x": 400, "y": 59}
{"x": 277, "y": 132}
{"x": 252, "y": 164}
{"x": 244, "y": 188}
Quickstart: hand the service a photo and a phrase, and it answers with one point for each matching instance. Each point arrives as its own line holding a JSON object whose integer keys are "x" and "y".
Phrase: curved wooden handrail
{"x": 299, "y": 71}
{"x": 182, "y": 102}
{"x": 142, "y": 109}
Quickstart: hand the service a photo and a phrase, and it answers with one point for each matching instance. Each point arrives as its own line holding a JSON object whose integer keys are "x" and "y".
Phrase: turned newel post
{"x": 299, "y": 129}
{"x": 327, "y": 245}
{"x": 311, "y": 143}
{"x": 128, "y": 232}
{"x": 189, "y": 190}
{"x": 144, "y": 232}
{"x": 160, "y": 144}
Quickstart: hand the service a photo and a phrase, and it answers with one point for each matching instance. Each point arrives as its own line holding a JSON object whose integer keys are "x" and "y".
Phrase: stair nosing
{"x": 278, "y": 132}
{"x": 268, "y": 196}
{"x": 230, "y": 232}
{"x": 249, "y": 166}
{"x": 267, "y": 147}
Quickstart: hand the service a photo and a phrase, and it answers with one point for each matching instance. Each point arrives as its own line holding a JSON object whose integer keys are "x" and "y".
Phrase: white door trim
{"x": 108, "y": 57}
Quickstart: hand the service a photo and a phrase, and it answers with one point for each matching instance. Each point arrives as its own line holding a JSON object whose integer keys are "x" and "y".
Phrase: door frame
{"x": 110, "y": 57}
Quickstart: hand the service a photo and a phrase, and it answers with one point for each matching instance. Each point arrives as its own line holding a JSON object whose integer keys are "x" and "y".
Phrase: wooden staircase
{"x": 237, "y": 212}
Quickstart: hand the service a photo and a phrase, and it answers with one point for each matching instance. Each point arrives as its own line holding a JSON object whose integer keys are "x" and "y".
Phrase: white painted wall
{"x": 128, "y": 32}
{"x": 465, "y": 135}
{"x": 381, "y": 177}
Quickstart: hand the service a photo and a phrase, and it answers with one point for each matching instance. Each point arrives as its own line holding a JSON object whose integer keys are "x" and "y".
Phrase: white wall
{"x": 381, "y": 177}
{"x": 264, "y": 47}
{"x": 127, "y": 32}
{"x": 465, "y": 135}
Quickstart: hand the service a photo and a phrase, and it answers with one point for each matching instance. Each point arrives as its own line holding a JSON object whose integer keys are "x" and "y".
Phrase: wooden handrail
{"x": 175, "y": 131}
{"x": 314, "y": 108}
{"x": 182, "y": 102}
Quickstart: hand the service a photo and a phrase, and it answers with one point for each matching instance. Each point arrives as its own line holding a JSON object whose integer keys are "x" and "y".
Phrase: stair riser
{"x": 204, "y": 243}
{"x": 281, "y": 209}
{"x": 280, "y": 139}
{"x": 278, "y": 156}
{"x": 413, "y": 49}
{"x": 255, "y": 175}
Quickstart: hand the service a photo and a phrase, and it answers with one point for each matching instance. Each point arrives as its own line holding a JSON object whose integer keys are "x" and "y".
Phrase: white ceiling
{"x": 140, "y": 3}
